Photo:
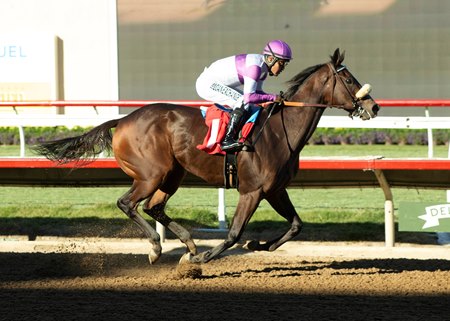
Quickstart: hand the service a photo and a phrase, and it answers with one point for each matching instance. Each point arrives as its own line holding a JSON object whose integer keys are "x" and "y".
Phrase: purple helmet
{"x": 279, "y": 49}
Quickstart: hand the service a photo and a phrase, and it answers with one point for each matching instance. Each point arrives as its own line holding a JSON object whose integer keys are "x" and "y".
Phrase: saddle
{"x": 216, "y": 118}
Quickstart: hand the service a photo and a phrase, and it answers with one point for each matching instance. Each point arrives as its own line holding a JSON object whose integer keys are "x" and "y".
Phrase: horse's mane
{"x": 294, "y": 84}
{"x": 296, "y": 81}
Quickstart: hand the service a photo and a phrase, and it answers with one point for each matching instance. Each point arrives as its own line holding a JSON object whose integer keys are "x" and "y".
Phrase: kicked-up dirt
{"x": 36, "y": 286}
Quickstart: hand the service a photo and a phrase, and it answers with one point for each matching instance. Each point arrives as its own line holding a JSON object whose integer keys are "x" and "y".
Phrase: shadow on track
{"x": 96, "y": 227}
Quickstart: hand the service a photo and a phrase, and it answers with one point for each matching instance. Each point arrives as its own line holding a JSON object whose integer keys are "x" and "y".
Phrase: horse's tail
{"x": 83, "y": 148}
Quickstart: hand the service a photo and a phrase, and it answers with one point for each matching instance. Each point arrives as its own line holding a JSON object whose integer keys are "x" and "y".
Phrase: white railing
{"x": 36, "y": 120}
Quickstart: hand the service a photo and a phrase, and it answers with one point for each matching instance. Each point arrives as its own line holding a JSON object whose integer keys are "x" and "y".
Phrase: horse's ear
{"x": 337, "y": 57}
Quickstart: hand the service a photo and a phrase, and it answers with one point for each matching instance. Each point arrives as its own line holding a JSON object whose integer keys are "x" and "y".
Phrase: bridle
{"x": 356, "y": 99}
{"x": 358, "y": 110}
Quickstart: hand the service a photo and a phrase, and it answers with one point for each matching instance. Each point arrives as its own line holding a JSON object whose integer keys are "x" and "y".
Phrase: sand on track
{"x": 68, "y": 286}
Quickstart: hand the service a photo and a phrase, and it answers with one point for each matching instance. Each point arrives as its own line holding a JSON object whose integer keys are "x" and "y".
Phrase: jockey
{"x": 236, "y": 82}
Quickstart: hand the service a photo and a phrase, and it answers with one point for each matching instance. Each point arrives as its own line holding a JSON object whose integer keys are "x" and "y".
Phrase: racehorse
{"x": 156, "y": 144}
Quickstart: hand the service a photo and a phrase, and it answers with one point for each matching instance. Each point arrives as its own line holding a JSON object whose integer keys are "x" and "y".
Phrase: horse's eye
{"x": 349, "y": 81}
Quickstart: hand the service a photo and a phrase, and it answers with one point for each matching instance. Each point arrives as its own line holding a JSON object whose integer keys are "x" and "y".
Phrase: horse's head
{"x": 346, "y": 92}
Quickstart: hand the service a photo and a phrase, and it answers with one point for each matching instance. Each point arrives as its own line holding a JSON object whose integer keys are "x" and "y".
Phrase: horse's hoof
{"x": 186, "y": 258}
{"x": 195, "y": 259}
{"x": 153, "y": 256}
{"x": 187, "y": 269}
{"x": 253, "y": 246}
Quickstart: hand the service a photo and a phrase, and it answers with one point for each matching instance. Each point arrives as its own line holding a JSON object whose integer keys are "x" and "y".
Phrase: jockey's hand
{"x": 266, "y": 104}
{"x": 279, "y": 99}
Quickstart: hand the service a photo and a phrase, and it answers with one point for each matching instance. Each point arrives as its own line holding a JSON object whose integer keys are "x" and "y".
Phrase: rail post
{"x": 161, "y": 230}
{"x": 221, "y": 210}
{"x": 389, "y": 224}
{"x": 21, "y": 136}
{"x": 430, "y": 135}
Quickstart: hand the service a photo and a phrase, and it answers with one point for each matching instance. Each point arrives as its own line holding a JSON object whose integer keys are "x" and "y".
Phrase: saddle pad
{"x": 217, "y": 118}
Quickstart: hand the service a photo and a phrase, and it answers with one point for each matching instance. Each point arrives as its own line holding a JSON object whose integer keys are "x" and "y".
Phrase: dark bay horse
{"x": 156, "y": 144}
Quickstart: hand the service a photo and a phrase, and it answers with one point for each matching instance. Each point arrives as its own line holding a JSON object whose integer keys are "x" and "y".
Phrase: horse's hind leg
{"x": 155, "y": 205}
{"x": 155, "y": 208}
{"x": 129, "y": 203}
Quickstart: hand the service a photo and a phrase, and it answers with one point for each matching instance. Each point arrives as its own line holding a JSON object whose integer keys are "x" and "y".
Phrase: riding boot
{"x": 230, "y": 143}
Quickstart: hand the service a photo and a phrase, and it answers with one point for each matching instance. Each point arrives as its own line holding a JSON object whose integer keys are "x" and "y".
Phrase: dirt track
{"x": 239, "y": 287}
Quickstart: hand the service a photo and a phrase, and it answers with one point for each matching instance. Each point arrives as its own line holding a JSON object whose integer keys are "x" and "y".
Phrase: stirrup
{"x": 248, "y": 147}
{"x": 232, "y": 147}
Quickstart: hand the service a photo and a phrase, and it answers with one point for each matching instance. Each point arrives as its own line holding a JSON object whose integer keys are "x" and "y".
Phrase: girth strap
{"x": 230, "y": 171}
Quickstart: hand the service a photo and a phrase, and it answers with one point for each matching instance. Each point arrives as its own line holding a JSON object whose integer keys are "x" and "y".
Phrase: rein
{"x": 358, "y": 109}
{"x": 335, "y": 72}
{"x": 301, "y": 104}
{"x": 336, "y": 76}
{"x": 298, "y": 104}
{"x": 258, "y": 135}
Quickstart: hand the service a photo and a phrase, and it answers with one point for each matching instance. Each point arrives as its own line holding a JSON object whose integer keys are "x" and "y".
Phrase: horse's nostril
{"x": 375, "y": 108}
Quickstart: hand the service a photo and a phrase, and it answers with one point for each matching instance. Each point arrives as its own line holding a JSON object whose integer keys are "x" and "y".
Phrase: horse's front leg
{"x": 246, "y": 206}
{"x": 282, "y": 204}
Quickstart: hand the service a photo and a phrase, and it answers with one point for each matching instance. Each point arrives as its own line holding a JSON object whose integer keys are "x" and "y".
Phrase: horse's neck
{"x": 291, "y": 127}
{"x": 315, "y": 113}
{"x": 301, "y": 122}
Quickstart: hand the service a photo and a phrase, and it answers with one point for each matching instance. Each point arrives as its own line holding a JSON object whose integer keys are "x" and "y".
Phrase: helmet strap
{"x": 274, "y": 61}
{"x": 270, "y": 64}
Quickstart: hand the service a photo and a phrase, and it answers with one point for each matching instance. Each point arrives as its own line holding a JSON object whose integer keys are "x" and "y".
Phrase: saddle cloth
{"x": 217, "y": 118}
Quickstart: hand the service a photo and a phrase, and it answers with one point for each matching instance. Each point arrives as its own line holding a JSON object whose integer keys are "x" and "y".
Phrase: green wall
{"x": 404, "y": 51}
